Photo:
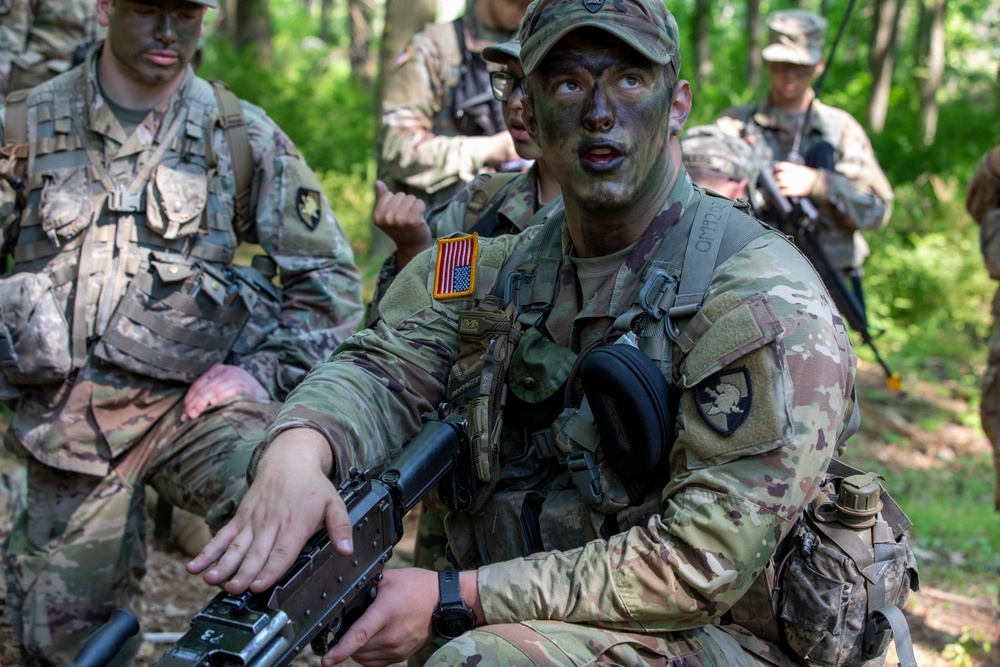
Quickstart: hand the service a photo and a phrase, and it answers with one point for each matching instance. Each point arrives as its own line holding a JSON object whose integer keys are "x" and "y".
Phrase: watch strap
{"x": 449, "y": 588}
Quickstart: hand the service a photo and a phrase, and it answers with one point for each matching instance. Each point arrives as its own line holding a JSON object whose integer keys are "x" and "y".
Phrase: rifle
{"x": 102, "y": 646}
{"x": 323, "y": 593}
{"x": 799, "y": 219}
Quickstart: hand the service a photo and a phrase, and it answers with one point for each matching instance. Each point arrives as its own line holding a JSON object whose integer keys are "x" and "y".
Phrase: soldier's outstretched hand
{"x": 290, "y": 499}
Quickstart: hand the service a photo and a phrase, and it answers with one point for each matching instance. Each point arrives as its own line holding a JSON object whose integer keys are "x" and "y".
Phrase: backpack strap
{"x": 489, "y": 196}
{"x": 234, "y": 125}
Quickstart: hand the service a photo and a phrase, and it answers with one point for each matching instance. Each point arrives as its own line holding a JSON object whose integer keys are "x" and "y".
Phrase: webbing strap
{"x": 731, "y": 649}
{"x": 893, "y": 617}
{"x": 240, "y": 153}
{"x": 704, "y": 243}
{"x": 490, "y": 196}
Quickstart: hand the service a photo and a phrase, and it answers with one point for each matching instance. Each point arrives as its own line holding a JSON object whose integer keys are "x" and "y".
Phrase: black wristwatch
{"x": 452, "y": 617}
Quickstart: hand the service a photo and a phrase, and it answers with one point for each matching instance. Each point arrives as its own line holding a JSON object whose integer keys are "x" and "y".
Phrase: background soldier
{"x": 148, "y": 355}
{"x": 720, "y": 162}
{"x": 817, "y": 151}
{"x": 983, "y": 203}
{"x": 623, "y": 557}
{"x": 40, "y": 39}
{"x": 440, "y": 123}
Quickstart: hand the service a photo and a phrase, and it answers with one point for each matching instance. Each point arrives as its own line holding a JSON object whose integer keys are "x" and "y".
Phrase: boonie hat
{"x": 708, "y": 147}
{"x": 795, "y": 36}
{"x": 503, "y": 52}
{"x": 645, "y": 25}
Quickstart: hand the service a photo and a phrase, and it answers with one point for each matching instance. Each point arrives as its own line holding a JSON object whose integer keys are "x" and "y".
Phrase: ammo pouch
{"x": 177, "y": 319}
{"x": 34, "y": 340}
{"x": 837, "y": 593}
{"x": 477, "y": 392}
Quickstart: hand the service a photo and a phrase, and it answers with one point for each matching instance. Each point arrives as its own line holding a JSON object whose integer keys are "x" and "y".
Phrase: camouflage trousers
{"x": 79, "y": 549}
{"x": 989, "y": 403}
{"x": 547, "y": 643}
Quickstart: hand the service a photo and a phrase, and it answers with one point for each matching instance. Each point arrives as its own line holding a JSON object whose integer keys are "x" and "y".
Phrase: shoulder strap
{"x": 233, "y": 124}
{"x": 490, "y": 194}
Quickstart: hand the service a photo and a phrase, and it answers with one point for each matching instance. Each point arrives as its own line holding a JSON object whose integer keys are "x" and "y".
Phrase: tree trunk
{"x": 403, "y": 19}
{"x": 933, "y": 61}
{"x": 252, "y": 25}
{"x": 325, "y": 29}
{"x": 754, "y": 36}
{"x": 701, "y": 26}
{"x": 883, "y": 60}
{"x": 362, "y": 65}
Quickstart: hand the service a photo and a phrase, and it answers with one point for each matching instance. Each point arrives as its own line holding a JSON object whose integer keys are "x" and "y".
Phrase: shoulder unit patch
{"x": 309, "y": 207}
{"x": 724, "y": 399}
{"x": 455, "y": 271}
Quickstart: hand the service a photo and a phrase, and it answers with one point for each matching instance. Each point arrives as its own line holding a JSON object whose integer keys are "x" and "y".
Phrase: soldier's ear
{"x": 103, "y": 13}
{"x": 680, "y": 107}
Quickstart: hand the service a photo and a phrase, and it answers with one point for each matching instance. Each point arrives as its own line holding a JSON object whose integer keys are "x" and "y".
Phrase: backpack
{"x": 475, "y": 111}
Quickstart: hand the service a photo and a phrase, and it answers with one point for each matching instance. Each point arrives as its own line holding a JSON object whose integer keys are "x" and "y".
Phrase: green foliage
{"x": 307, "y": 89}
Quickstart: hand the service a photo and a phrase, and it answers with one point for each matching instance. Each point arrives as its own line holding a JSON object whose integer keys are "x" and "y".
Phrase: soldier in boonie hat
{"x": 645, "y": 25}
{"x": 795, "y": 36}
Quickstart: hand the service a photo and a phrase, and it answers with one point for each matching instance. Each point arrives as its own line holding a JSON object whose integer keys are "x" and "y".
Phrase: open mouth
{"x": 601, "y": 157}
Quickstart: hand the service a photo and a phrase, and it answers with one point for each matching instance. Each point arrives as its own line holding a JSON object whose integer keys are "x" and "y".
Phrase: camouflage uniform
{"x": 855, "y": 196}
{"x": 708, "y": 147}
{"x": 167, "y": 240}
{"x": 983, "y": 203}
{"x": 690, "y": 549}
{"x": 422, "y": 150}
{"x": 39, "y": 40}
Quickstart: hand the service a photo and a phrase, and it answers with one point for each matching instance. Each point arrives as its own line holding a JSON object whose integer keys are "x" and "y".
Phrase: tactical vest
{"x": 558, "y": 490}
{"x": 141, "y": 267}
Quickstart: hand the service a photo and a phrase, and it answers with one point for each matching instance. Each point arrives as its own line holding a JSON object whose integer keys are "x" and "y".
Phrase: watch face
{"x": 450, "y": 623}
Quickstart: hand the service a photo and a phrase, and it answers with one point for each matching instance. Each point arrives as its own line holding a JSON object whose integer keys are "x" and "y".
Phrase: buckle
{"x": 121, "y": 200}
{"x": 658, "y": 282}
{"x": 587, "y": 479}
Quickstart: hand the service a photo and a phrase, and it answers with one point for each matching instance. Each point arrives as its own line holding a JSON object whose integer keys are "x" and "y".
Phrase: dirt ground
{"x": 937, "y": 618}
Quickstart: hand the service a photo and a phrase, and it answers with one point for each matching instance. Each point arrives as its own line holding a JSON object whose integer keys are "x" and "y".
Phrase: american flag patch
{"x": 455, "y": 274}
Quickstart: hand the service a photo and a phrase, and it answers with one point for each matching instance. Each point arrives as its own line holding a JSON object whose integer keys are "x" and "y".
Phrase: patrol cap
{"x": 503, "y": 52}
{"x": 795, "y": 36}
{"x": 708, "y": 147}
{"x": 207, "y": 3}
{"x": 645, "y": 25}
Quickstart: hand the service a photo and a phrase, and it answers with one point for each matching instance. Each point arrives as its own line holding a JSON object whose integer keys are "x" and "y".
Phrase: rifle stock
{"x": 323, "y": 592}
{"x": 798, "y": 218}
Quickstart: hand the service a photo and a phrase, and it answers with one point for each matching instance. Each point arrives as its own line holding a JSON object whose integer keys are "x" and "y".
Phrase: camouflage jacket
{"x": 520, "y": 202}
{"x": 733, "y": 492}
{"x": 854, "y": 196}
{"x": 38, "y": 39}
{"x": 422, "y": 151}
{"x": 174, "y": 239}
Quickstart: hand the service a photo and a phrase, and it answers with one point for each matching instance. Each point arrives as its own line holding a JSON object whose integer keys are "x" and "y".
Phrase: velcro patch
{"x": 724, "y": 399}
{"x": 307, "y": 205}
{"x": 455, "y": 271}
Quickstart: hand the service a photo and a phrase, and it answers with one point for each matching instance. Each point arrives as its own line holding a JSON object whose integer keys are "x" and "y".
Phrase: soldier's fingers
{"x": 214, "y": 549}
{"x": 251, "y": 561}
{"x": 380, "y": 189}
{"x": 359, "y": 634}
{"x": 338, "y": 524}
{"x": 266, "y": 568}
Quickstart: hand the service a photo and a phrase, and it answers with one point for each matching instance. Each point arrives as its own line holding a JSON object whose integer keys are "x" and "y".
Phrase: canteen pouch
{"x": 177, "y": 319}
{"x": 631, "y": 403}
{"x": 34, "y": 340}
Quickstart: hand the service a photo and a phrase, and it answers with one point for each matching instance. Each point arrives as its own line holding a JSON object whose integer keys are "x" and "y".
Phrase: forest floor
{"x": 952, "y": 626}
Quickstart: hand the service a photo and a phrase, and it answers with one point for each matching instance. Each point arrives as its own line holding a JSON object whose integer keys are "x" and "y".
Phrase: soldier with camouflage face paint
{"x": 39, "y": 40}
{"x": 840, "y": 172}
{"x": 139, "y": 351}
{"x": 983, "y": 204}
{"x": 573, "y": 553}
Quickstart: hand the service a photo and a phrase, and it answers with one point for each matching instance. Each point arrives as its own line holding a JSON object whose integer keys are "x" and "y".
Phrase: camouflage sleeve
{"x": 14, "y": 26}
{"x": 739, "y": 479}
{"x": 321, "y": 285}
{"x": 984, "y": 190}
{"x": 368, "y": 398}
{"x": 8, "y": 202}
{"x": 856, "y": 194}
{"x": 411, "y": 152}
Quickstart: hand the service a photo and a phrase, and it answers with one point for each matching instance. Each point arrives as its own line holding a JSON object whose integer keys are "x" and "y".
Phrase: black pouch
{"x": 631, "y": 403}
